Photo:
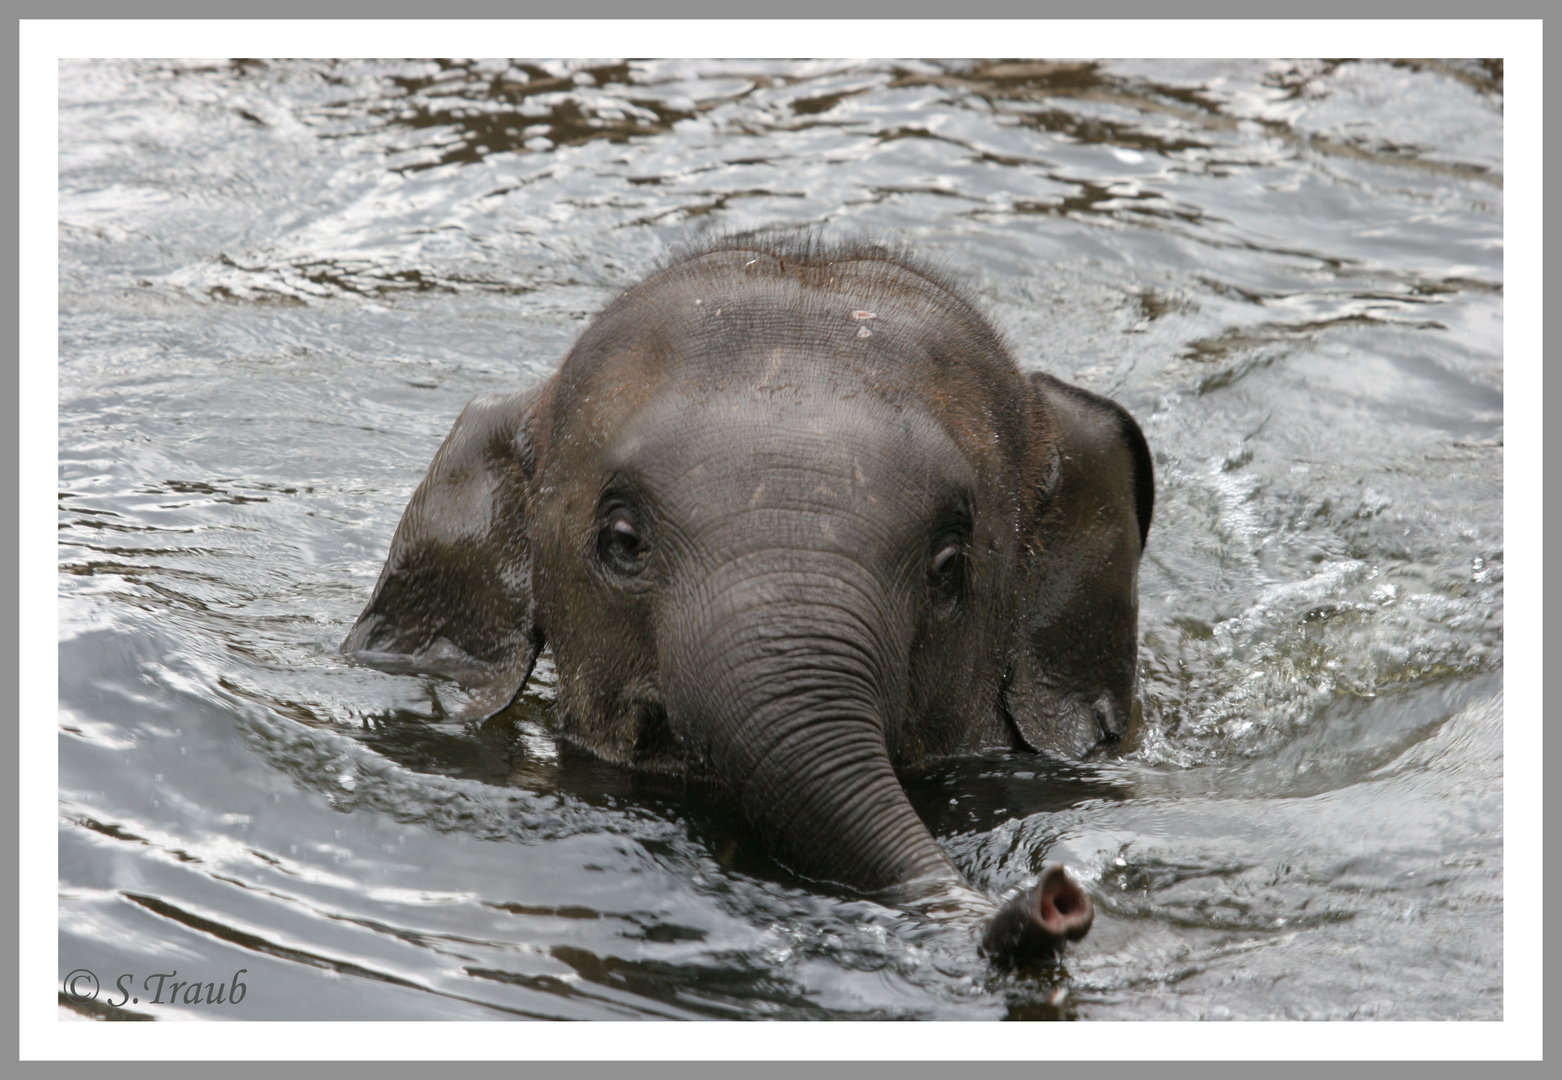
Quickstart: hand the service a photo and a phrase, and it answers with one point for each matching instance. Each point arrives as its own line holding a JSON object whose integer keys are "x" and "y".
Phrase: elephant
{"x": 790, "y": 517}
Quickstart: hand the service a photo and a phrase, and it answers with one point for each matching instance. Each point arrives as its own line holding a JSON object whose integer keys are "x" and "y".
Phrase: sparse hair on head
{"x": 808, "y": 247}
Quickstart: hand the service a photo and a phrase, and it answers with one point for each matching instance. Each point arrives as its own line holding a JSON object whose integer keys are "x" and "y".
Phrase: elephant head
{"x": 790, "y": 520}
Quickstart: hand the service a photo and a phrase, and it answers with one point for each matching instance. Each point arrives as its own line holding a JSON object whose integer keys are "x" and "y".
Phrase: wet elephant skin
{"x": 791, "y": 517}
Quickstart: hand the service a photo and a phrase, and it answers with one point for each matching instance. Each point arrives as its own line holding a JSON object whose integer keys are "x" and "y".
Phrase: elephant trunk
{"x": 783, "y": 682}
{"x": 1035, "y": 925}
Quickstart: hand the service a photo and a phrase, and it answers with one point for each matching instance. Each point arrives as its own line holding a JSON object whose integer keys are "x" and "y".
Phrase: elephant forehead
{"x": 794, "y": 445}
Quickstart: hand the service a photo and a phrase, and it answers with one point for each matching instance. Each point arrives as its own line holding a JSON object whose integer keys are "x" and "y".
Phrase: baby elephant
{"x": 790, "y": 518}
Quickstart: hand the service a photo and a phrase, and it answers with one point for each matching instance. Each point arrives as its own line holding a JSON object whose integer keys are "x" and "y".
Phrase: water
{"x": 279, "y": 283}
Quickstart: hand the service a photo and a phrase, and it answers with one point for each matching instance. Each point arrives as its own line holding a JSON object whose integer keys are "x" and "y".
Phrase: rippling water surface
{"x": 279, "y": 283}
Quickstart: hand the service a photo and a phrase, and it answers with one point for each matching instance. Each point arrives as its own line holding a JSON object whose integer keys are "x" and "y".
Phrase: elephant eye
{"x": 620, "y": 542}
{"x": 943, "y": 567}
{"x": 944, "y": 557}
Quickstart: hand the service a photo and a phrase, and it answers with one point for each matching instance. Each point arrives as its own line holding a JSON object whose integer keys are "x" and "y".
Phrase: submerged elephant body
{"x": 790, "y": 519}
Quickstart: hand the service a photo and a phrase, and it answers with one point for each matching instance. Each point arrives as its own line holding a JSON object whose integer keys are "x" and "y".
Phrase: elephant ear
{"x": 455, "y": 597}
{"x": 1076, "y": 662}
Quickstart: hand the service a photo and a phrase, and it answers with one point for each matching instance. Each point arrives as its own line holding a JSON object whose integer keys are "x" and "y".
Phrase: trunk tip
{"x": 1034, "y": 926}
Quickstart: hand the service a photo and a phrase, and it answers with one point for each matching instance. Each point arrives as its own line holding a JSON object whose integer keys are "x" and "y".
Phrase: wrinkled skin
{"x": 789, "y": 520}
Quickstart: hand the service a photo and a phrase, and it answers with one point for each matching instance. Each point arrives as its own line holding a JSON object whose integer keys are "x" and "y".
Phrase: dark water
{"x": 279, "y": 283}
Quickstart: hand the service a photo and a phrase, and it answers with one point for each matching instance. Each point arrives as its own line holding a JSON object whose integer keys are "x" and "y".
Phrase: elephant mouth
{"x": 1118, "y": 722}
{"x": 655, "y": 748}
{"x": 1077, "y": 728}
